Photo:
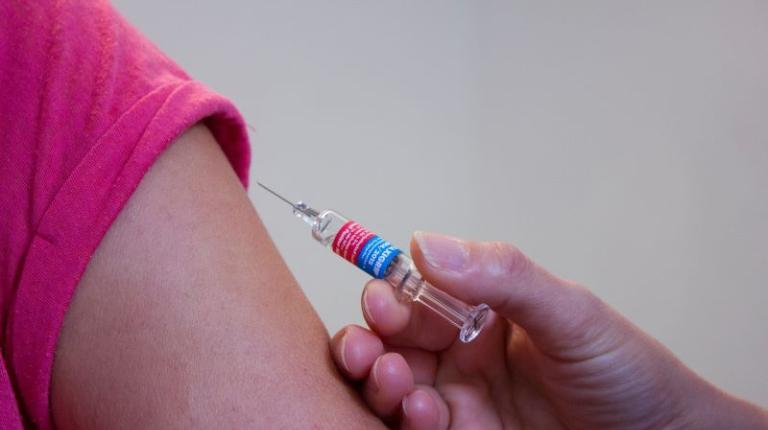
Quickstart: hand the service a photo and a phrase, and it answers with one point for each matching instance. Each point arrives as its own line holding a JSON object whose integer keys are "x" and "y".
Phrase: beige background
{"x": 622, "y": 144}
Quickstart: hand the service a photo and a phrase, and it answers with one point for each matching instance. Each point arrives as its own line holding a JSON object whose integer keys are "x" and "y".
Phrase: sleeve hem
{"x": 83, "y": 210}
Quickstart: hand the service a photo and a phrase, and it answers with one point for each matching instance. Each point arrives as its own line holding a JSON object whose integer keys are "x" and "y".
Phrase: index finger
{"x": 404, "y": 324}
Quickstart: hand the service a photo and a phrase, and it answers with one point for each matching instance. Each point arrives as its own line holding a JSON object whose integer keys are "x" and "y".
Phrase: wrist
{"x": 715, "y": 409}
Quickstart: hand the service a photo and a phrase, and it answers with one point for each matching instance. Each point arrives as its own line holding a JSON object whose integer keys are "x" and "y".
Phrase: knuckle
{"x": 511, "y": 261}
{"x": 590, "y": 304}
{"x": 589, "y": 313}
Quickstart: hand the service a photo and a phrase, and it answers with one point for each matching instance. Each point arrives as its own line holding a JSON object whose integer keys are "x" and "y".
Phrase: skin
{"x": 188, "y": 318}
{"x": 553, "y": 357}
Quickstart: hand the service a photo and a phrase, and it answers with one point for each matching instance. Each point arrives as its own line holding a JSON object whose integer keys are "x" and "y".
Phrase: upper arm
{"x": 187, "y": 316}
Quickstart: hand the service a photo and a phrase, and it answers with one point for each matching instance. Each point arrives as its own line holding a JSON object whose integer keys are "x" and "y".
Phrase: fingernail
{"x": 343, "y": 349}
{"x": 405, "y": 405}
{"x": 375, "y": 375}
{"x": 366, "y": 309}
{"x": 443, "y": 252}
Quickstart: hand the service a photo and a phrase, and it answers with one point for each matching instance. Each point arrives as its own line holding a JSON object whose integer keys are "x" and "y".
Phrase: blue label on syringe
{"x": 366, "y": 250}
{"x": 376, "y": 257}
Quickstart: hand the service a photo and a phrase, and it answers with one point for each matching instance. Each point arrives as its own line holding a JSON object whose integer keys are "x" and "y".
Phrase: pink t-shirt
{"x": 86, "y": 106}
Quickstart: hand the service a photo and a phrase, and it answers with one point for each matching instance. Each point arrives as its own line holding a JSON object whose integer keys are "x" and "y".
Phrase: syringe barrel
{"x": 411, "y": 286}
{"x": 381, "y": 260}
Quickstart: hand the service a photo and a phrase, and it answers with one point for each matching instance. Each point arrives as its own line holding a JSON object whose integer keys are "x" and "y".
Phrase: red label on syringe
{"x": 364, "y": 249}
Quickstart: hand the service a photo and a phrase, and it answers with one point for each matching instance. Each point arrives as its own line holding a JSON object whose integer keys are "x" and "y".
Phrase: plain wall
{"x": 621, "y": 144}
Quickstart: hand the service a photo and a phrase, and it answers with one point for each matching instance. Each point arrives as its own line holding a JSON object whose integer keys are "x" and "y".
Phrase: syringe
{"x": 381, "y": 260}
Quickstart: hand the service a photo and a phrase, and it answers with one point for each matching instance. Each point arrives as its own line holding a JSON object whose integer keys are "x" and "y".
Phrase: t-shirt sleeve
{"x": 87, "y": 105}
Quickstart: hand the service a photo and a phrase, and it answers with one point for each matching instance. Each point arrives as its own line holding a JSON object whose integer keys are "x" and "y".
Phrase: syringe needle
{"x": 300, "y": 209}
{"x": 274, "y": 193}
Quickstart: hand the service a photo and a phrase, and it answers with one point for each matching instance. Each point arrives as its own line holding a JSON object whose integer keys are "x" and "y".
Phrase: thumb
{"x": 557, "y": 314}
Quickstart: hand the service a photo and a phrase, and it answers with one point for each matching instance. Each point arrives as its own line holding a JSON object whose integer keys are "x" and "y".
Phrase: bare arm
{"x": 188, "y": 318}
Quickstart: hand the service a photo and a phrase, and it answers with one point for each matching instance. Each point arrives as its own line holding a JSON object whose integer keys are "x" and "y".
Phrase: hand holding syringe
{"x": 381, "y": 260}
